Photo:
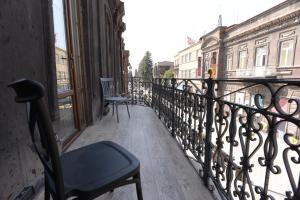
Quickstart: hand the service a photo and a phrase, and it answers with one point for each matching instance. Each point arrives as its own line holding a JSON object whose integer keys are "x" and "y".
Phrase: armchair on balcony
{"x": 84, "y": 173}
{"x": 109, "y": 96}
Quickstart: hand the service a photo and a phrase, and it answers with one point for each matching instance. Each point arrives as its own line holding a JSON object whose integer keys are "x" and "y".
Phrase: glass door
{"x": 67, "y": 124}
{"x": 79, "y": 70}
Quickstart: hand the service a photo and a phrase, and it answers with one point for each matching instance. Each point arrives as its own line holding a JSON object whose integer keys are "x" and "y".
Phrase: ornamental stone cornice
{"x": 286, "y": 21}
{"x": 119, "y": 12}
{"x": 211, "y": 48}
{"x": 264, "y": 14}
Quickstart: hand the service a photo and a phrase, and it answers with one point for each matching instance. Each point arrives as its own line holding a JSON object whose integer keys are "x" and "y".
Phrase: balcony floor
{"x": 165, "y": 172}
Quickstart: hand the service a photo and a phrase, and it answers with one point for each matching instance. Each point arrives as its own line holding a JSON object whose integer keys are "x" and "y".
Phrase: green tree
{"x": 168, "y": 74}
{"x": 145, "y": 67}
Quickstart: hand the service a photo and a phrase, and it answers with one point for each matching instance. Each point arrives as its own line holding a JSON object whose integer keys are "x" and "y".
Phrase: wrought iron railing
{"x": 140, "y": 91}
{"x": 245, "y": 150}
{"x": 242, "y": 135}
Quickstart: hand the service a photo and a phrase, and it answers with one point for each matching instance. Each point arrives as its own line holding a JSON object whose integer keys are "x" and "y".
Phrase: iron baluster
{"x": 209, "y": 119}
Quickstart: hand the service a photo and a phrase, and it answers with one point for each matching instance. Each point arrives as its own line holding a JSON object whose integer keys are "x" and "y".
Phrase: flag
{"x": 190, "y": 41}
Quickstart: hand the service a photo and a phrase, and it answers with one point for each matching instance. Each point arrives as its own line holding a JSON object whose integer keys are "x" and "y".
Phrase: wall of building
{"x": 159, "y": 68}
{"x": 187, "y": 61}
{"x": 212, "y": 52}
{"x": 103, "y": 45}
{"x": 24, "y": 53}
{"x": 269, "y": 28}
{"x": 270, "y": 38}
{"x": 27, "y": 50}
{"x": 264, "y": 17}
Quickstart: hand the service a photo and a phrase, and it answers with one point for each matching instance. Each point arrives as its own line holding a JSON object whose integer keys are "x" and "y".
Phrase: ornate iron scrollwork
{"x": 240, "y": 145}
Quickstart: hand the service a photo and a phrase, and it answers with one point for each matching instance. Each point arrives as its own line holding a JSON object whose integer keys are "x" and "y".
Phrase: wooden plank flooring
{"x": 165, "y": 172}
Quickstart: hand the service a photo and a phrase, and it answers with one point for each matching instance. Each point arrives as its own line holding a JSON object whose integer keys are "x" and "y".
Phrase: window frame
{"x": 266, "y": 45}
{"x": 229, "y": 54}
{"x": 239, "y": 55}
{"x": 280, "y": 41}
{"x": 206, "y": 57}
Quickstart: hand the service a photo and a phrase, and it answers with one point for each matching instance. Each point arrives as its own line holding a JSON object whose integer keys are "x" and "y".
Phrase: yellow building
{"x": 62, "y": 70}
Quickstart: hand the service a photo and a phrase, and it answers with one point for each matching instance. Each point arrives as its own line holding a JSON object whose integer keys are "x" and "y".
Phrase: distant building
{"x": 188, "y": 62}
{"x": 62, "y": 70}
{"x": 262, "y": 46}
{"x": 160, "y": 68}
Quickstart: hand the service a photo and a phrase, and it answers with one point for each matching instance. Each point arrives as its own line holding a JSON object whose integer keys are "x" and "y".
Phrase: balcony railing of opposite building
{"x": 244, "y": 149}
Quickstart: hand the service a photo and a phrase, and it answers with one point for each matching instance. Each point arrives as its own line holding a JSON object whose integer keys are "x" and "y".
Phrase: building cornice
{"x": 189, "y": 47}
{"x": 210, "y": 48}
{"x": 263, "y": 14}
{"x": 211, "y": 32}
{"x": 291, "y": 19}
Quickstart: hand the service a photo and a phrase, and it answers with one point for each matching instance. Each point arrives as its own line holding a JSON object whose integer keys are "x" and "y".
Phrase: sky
{"x": 162, "y": 26}
{"x": 59, "y": 24}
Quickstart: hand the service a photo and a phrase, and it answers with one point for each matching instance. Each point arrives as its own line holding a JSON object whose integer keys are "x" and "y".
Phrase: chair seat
{"x": 115, "y": 99}
{"x": 93, "y": 169}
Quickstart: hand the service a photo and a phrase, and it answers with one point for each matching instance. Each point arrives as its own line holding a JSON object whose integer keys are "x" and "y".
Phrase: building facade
{"x": 265, "y": 46}
{"x": 66, "y": 45}
{"x": 159, "y": 68}
{"x": 262, "y": 46}
{"x": 188, "y": 62}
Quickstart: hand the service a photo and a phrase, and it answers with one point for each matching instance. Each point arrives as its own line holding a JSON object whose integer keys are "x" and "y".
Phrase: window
{"x": 182, "y": 59}
{"x": 227, "y": 98}
{"x": 206, "y": 62}
{"x": 186, "y": 58}
{"x": 214, "y": 58}
{"x": 261, "y": 56}
{"x": 242, "y": 59}
{"x": 229, "y": 61}
{"x": 190, "y": 57}
{"x": 286, "y": 53}
{"x": 199, "y": 66}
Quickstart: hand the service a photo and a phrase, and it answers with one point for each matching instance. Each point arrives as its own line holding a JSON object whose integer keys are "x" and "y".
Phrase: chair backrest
{"x": 32, "y": 92}
{"x": 107, "y": 87}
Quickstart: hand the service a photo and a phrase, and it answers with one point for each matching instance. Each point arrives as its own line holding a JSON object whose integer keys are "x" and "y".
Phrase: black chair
{"x": 110, "y": 97}
{"x": 84, "y": 173}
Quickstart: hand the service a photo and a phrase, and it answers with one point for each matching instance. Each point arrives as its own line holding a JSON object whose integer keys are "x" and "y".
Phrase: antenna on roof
{"x": 220, "y": 16}
{"x": 220, "y": 20}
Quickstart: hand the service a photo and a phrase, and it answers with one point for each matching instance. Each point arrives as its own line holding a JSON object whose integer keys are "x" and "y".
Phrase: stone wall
{"x": 24, "y": 53}
{"x": 27, "y": 51}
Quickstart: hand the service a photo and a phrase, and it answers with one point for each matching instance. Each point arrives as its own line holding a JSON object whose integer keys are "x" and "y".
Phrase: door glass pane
{"x": 62, "y": 67}
{"x": 65, "y": 125}
{"x": 62, "y": 71}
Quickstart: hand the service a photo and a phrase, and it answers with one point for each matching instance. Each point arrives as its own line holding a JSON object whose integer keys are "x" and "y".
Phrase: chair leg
{"x": 127, "y": 110}
{"x": 117, "y": 112}
{"x": 47, "y": 192}
{"x": 113, "y": 108}
{"x": 138, "y": 187}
